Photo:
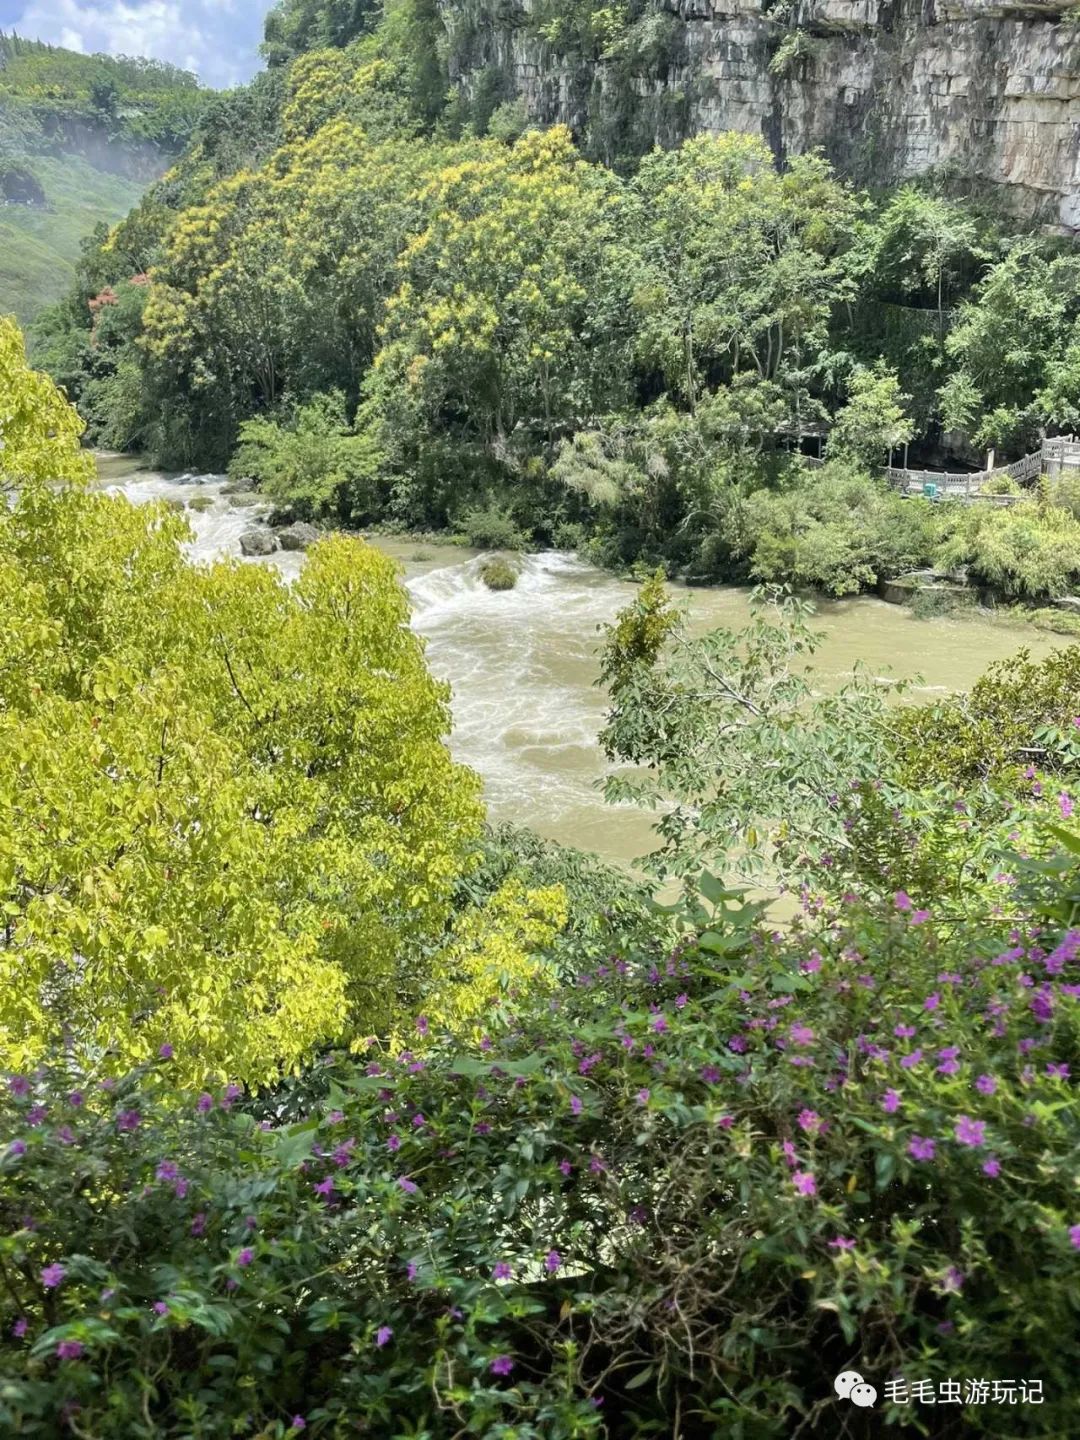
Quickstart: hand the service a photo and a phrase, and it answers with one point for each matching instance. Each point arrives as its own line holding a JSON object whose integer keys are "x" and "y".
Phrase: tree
{"x": 231, "y": 821}
{"x": 739, "y": 266}
{"x": 505, "y": 325}
{"x": 39, "y": 431}
{"x": 872, "y": 424}
{"x": 731, "y": 741}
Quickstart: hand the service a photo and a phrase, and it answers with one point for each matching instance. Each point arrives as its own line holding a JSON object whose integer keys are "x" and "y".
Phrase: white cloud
{"x": 218, "y": 39}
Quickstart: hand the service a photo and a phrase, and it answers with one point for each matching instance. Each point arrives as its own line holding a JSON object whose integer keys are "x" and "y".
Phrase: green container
{"x": 930, "y": 490}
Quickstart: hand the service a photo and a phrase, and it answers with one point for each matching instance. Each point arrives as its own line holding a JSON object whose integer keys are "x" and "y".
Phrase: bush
{"x": 1022, "y": 552}
{"x": 490, "y": 527}
{"x": 312, "y": 467}
{"x": 498, "y": 574}
{"x": 835, "y": 530}
{"x": 690, "y": 1188}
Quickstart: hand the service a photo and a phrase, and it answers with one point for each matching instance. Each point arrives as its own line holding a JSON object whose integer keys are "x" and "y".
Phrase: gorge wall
{"x": 985, "y": 92}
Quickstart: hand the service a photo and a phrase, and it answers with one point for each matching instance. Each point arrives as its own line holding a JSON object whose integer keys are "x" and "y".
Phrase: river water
{"x": 522, "y": 663}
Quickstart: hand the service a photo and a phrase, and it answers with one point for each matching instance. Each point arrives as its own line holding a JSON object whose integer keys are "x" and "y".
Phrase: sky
{"x": 218, "y": 39}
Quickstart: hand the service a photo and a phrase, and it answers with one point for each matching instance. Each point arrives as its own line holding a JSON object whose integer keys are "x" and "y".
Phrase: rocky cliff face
{"x": 985, "y": 91}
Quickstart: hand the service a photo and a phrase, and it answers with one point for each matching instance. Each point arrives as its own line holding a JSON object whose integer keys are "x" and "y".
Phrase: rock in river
{"x": 298, "y": 536}
{"x": 258, "y": 542}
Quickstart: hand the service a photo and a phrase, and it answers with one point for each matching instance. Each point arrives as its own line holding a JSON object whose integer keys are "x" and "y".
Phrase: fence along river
{"x": 523, "y": 663}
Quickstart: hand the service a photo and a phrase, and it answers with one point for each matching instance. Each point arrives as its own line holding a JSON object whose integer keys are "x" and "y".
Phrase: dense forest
{"x": 329, "y": 1108}
{"x": 80, "y": 138}
{"x": 385, "y": 301}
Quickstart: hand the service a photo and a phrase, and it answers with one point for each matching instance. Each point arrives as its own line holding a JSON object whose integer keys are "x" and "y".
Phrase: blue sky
{"x": 218, "y": 39}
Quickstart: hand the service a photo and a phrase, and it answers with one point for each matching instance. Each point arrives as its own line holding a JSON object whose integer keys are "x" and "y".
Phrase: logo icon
{"x": 850, "y": 1385}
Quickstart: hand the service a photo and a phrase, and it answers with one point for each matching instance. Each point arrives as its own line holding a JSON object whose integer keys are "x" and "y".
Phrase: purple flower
{"x": 890, "y": 1102}
{"x": 69, "y": 1350}
{"x": 20, "y": 1327}
{"x": 198, "y": 1225}
{"x": 992, "y": 1167}
{"x": 970, "y": 1132}
{"x": 232, "y": 1092}
{"x": 76, "y": 1098}
{"x": 166, "y": 1052}
{"x": 421, "y": 1025}
{"x": 1057, "y": 1072}
{"x": 298, "y": 1422}
{"x": 1067, "y": 806}
{"x": 128, "y": 1120}
{"x": 552, "y": 1261}
{"x": 167, "y": 1170}
{"x": 501, "y": 1271}
{"x": 643, "y": 1097}
{"x": 804, "y": 1182}
{"x": 325, "y": 1188}
{"x": 393, "y": 1142}
{"x": 565, "y": 1167}
{"x": 411, "y": 1270}
{"x": 575, "y": 1105}
{"x": 932, "y": 1001}
{"x": 19, "y": 1086}
{"x": 36, "y": 1114}
{"x": 52, "y": 1276}
{"x": 160, "y": 1308}
{"x": 902, "y": 900}
{"x": 17, "y": 1147}
{"x": 502, "y": 1365}
{"x": 409, "y": 1186}
{"x": 384, "y": 1335}
{"x": 246, "y": 1256}
{"x": 903, "y": 1032}
{"x": 801, "y": 1035}
{"x": 986, "y": 1085}
{"x": 841, "y": 1243}
{"x": 710, "y": 1074}
{"x": 809, "y": 1120}
{"x": 953, "y": 1279}
{"x": 908, "y": 1062}
{"x": 921, "y": 1148}
{"x": 659, "y": 1024}
{"x": 1074, "y": 1236}
{"x": 205, "y": 1102}
{"x": 919, "y": 917}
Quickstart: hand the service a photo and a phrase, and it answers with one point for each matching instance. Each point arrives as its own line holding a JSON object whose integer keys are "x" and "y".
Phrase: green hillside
{"x": 80, "y": 138}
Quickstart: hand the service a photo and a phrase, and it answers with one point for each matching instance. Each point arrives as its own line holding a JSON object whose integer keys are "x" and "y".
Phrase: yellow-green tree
{"x": 506, "y": 314}
{"x": 231, "y": 822}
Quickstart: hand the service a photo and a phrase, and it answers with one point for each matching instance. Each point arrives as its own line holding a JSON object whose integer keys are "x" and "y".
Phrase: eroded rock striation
{"x": 987, "y": 92}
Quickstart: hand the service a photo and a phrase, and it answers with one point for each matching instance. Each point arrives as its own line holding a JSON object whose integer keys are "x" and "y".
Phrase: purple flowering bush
{"x": 678, "y": 1199}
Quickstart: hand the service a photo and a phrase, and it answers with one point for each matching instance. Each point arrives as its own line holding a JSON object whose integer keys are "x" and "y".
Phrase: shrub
{"x": 687, "y": 1190}
{"x": 312, "y": 466}
{"x": 1022, "y": 552}
{"x": 498, "y": 574}
{"x": 836, "y": 530}
{"x": 491, "y": 528}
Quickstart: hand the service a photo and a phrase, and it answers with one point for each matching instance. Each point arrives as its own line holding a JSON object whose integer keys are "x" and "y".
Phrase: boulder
{"x": 258, "y": 542}
{"x": 298, "y": 536}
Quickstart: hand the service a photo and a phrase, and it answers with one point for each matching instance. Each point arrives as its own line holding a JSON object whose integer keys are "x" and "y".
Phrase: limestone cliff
{"x": 987, "y": 92}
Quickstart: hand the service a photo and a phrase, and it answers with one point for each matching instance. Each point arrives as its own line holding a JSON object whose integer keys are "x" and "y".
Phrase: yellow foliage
{"x": 495, "y": 954}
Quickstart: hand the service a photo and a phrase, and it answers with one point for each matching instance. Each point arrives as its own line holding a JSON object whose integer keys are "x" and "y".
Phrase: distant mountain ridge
{"x": 80, "y": 138}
